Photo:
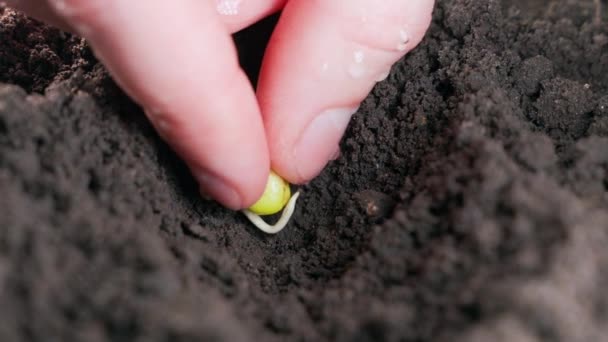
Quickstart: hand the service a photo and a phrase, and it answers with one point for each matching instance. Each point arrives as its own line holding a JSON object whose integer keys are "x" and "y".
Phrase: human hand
{"x": 178, "y": 61}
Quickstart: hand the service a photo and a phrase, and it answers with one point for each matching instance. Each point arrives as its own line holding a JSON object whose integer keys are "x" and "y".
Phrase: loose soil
{"x": 470, "y": 202}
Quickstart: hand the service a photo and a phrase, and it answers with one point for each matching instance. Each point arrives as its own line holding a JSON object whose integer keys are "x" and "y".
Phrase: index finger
{"x": 179, "y": 62}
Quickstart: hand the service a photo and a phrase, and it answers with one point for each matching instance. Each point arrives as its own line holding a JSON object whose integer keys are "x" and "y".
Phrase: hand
{"x": 178, "y": 61}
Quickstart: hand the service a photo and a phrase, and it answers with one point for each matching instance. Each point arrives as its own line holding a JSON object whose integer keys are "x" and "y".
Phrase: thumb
{"x": 323, "y": 59}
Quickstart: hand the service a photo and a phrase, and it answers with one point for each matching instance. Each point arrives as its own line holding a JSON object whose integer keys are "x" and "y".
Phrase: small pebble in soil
{"x": 376, "y": 204}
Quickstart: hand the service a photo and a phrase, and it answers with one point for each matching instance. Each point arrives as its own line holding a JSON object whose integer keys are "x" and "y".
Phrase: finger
{"x": 323, "y": 59}
{"x": 236, "y": 14}
{"x": 180, "y": 64}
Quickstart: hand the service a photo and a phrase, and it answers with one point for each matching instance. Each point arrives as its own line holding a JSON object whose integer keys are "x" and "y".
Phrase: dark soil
{"x": 470, "y": 202}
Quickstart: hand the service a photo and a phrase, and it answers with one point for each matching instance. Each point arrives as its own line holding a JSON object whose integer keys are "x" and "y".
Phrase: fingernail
{"x": 320, "y": 140}
{"x": 220, "y": 190}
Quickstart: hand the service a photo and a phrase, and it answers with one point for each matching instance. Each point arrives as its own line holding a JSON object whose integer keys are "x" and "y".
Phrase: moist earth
{"x": 469, "y": 203}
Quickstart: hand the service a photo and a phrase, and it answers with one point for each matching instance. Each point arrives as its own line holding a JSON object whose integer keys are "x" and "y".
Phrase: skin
{"x": 323, "y": 59}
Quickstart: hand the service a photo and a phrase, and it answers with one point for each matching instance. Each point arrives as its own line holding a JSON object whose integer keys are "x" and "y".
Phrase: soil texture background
{"x": 470, "y": 201}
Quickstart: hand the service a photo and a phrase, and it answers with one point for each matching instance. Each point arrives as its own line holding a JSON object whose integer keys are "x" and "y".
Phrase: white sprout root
{"x": 281, "y": 223}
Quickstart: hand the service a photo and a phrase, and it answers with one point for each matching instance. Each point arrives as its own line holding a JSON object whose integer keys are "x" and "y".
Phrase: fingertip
{"x": 218, "y": 188}
{"x": 239, "y": 193}
{"x": 252, "y": 184}
{"x": 316, "y": 145}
